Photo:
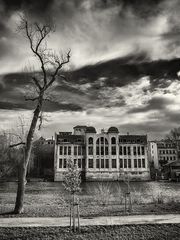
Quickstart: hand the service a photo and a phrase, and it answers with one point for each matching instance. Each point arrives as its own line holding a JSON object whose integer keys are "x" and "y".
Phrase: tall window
{"x": 121, "y": 163}
{"x": 75, "y": 150}
{"x": 61, "y": 150}
{"x": 65, "y": 150}
{"x": 113, "y": 140}
{"x": 102, "y": 150}
{"x": 106, "y": 150}
{"x": 90, "y": 140}
{"x": 97, "y": 150}
{"x": 69, "y": 150}
{"x": 113, "y": 163}
{"x": 129, "y": 150}
{"x": 60, "y": 163}
{"x": 125, "y": 153}
{"x": 102, "y": 163}
{"x": 139, "y": 163}
{"x": 139, "y": 150}
{"x": 79, "y": 163}
{"x": 134, "y": 150}
{"x": 125, "y": 163}
{"x": 90, "y": 150}
{"x": 64, "y": 162}
{"x": 79, "y": 150}
{"x": 90, "y": 163}
{"x": 143, "y": 163}
{"x": 120, "y": 150}
{"x": 129, "y": 163}
{"x": 113, "y": 150}
{"x": 142, "y": 150}
{"x": 135, "y": 163}
{"x": 107, "y": 163}
{"x": 97, "y": 163}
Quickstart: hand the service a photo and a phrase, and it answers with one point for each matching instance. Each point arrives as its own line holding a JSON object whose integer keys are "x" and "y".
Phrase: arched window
{"x": 90, "y": 140}
{"x": 102, "y": 146}
{"x": 106, "y": 141}
{"x": 102, "y": 140}
{"x": 113, "y": 140}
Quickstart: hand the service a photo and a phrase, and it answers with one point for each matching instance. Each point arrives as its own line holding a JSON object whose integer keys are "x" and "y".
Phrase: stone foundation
{"x": 108, "y": 176}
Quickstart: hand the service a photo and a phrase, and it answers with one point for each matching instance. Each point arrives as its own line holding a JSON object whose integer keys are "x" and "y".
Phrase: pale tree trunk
{"x": 24, "y": 164}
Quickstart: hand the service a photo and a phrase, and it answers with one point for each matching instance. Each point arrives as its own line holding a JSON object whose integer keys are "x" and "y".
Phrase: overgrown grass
{"x": 100, "y": 200}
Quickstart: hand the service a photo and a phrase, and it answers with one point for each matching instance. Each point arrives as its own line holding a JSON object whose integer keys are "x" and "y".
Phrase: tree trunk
{"x": 24, "y": 164}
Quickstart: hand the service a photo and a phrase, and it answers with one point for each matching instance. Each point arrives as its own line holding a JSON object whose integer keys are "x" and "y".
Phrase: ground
{"x": 126, "y": 232}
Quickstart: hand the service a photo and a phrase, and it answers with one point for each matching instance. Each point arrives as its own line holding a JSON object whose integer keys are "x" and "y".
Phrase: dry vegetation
{"x": 131, "y": 232}
{"x": 49, "y": 199}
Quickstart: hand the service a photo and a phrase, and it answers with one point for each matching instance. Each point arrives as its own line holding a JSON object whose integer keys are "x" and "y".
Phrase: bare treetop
{"x": 51, "y": 63}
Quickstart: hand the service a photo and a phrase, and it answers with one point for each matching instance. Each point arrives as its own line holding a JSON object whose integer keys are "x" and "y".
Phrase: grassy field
{"x": 127, "y": 232}
{"x": 49, "y": 199}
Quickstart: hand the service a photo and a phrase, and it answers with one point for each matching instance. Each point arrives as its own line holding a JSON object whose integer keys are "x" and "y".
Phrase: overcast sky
{"x": 124, "y": 69}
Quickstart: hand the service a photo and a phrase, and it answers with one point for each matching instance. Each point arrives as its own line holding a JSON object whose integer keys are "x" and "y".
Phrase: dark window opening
{"x": 113, "y": 150}
{"x": 60, "y": 163}
{"x": 125, "y": 163}
{"x": 113, "y": 140}
{"x": 102, "y": 163}
{"x": 113, "y": 163}
{"x": 129, "y": 163}
{"x": 90, "y": 163}
{"x": 107, "y": 163}
{"x": 121, "y": 163}
{"x": 97, "y": 163}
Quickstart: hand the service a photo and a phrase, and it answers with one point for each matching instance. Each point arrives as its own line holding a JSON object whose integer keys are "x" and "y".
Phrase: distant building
{"x": 102, "y": 156}
{"x": 42, "y": 162}
{"x": 171, "y": 171}
{"x": 162, "y": 152}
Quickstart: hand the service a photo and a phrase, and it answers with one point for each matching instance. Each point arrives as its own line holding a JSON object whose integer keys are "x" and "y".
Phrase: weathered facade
{"x": 162, "y": 152}
{"x": 103, "y": 156}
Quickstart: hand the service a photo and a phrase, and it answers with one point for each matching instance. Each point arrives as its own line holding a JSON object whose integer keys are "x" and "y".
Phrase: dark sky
{"x": 124, "y": 69}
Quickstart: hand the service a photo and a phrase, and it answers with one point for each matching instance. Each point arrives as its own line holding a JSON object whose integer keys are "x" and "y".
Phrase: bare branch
{"x": 60, "y": 65}
{"x": 16, "y": 144}
{"x": 31, "y": 99}
{"x": 40, "y": 121}
{"x": 37, "y": 83}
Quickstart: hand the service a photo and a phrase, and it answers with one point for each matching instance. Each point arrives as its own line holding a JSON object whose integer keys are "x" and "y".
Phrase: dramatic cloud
{"x": 95, "y": 30}
{"x": 124, "y": 68}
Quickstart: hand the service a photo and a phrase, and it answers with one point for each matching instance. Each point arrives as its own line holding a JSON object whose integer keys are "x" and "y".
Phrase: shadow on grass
{"x": 8, "y": 213}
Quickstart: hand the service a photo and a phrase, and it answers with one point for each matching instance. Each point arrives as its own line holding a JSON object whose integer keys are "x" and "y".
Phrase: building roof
{"x": 80, "y": 126}
{"x": 70, "y": 139}
{"x": 133, "y": 139}
{"x": 90, "y": 130}
{"x": 113, "y": 130}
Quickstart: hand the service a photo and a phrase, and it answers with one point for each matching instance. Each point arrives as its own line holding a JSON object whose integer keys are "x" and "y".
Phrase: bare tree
{"x": 51, "y": 65}
{"x": 174, "y": 134}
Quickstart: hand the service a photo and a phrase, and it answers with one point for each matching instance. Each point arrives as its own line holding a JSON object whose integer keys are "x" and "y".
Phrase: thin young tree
{"x": 72, "y": 181}
{"x": 51, "y": 65}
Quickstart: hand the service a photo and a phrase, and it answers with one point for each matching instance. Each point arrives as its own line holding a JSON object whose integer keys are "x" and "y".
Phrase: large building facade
{"x": 102, "y": 156}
